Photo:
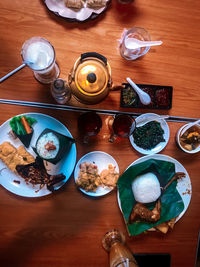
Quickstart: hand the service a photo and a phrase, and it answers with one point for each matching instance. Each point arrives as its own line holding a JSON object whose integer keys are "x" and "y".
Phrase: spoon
{"x": 145, "y": 99}
{"x": 133, "y": 43}
{"x": 189, "y": 126}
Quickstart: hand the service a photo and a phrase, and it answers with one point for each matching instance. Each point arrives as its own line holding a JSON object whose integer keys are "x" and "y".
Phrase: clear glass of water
{"x": 137, "y": 33}
{"x": 39, "y": 55}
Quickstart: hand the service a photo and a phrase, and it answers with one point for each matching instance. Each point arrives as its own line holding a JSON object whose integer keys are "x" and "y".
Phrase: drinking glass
{"x": 39, "y": 55}
{"x": 119, "y": 255}
{"x": 121, "y": 125}
{"x": 137, "y": 33}
{"x": 89, "y": 124}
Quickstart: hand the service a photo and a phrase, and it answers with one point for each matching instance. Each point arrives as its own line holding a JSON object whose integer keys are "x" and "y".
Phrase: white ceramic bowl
{"x": 181, "y": 147}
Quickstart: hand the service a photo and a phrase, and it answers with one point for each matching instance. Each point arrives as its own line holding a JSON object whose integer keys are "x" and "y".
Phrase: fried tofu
{"x": 12, "y": 156}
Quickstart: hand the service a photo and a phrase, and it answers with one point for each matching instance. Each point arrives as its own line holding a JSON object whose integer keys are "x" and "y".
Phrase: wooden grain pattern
{"x": 66, "y": 229}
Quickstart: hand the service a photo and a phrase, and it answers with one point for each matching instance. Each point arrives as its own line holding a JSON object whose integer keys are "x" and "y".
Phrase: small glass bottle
{"x": 119, "y": 254}
{"x": 60, "y": 91}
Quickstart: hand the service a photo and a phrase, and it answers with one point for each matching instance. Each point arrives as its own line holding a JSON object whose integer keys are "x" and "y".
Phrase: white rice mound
{"x": 146, "y": 188}
{"x": 44, "y": 139}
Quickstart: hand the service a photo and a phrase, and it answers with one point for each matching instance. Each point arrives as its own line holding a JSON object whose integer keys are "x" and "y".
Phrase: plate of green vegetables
{"x": 150, "y": 136}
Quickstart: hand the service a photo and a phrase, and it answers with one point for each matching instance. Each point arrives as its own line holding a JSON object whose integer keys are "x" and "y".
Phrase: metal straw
{"x": 12, "y": 72}
{"x": 79, "y": 109}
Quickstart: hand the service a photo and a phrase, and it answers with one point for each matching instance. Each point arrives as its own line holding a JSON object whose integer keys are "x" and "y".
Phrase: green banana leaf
{"x": 171, "y": 202}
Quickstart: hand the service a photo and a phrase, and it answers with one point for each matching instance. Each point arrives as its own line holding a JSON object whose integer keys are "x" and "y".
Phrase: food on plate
{"x": 22, "y": 128}
{"x": 48, "y": 146}
{"x": 190, "y": 139}
{"x": 140, "y": 211}
{"x": 96, "y": 3}
{"x": 77, "y": 4}
{"x": 146, "y": 188}
{"x": 23, "y": 163}
{"x": 52, "y": 146}
{"x": 149, "y": 135}
{"x": 141, "y": 217}
{"x": 12, "y": 156}
{"x": 165, "y": 226}
{"x": 109, "y": 177}
{"x": 129, "y": 96}
{"x": 35, "y": 173}
{"x": 89, "y": 178}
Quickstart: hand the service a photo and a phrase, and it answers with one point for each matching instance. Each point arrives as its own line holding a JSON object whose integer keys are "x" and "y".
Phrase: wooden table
{"x": 66, "y": 228}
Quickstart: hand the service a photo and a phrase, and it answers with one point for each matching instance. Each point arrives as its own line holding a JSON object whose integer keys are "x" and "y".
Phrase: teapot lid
{"x": 91, "y": 76}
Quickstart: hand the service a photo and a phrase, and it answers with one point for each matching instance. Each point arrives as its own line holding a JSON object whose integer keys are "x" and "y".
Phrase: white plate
{"x": 184, "y": 186}
{"x": 65, "y": 166}
{"x": 60, "y": 9}
{"x": 159, "y": 146}
{"x": 101, "y": 159}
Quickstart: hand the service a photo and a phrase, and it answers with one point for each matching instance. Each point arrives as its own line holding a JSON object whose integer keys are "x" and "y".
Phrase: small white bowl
{"x": 181, "y": 147}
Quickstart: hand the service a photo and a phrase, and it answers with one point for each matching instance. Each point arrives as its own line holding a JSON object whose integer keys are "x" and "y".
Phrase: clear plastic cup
{"x": 138, "y": 33}
{"x": 39, "y": 55}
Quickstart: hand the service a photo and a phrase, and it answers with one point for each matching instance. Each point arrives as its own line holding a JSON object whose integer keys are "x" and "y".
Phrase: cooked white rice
{"x": 146, "y": 188}
{"x": 43, "y": 140}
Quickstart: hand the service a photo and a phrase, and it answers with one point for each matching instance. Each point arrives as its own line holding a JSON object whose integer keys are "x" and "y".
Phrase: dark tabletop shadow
{"x": 64, "y": 219}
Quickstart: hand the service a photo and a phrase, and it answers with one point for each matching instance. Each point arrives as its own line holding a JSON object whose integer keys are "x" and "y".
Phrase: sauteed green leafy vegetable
{"x": 148, "y": 135}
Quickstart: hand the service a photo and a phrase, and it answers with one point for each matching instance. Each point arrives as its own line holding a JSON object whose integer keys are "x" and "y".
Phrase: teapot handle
{"x": 94, "y": 54}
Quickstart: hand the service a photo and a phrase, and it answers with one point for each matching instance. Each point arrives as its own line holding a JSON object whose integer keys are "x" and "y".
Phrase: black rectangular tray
{"x": 161, "y": 96}
{"x": 153, "y": 259}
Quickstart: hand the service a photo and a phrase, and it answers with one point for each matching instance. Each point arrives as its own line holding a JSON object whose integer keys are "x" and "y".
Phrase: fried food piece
{"x": 88, "y": 177}
{"x": 12, "y": 156}
{"x": 35, "y": 173}
{"x": 141, "y": 212}
{"x": 96, "y": 3}
{"x": 176, "y": 176}
{"x": 171, "y": 223}
{"x": 77, "y": 4}
{"x": 109, "y": 176}
{"x": 163, "y": 227}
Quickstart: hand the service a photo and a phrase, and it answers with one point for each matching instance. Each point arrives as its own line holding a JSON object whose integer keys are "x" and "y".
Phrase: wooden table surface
{"x": 66, "y": 228}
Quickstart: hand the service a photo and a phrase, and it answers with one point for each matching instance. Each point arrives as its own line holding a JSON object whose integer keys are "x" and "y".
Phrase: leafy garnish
{"x": 17, "y": 126}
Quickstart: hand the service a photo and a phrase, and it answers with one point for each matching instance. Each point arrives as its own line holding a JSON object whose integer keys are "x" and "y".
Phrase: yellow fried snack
{"x": 96, "y": 3}
{"x": 109, "y": 176}
{"x": 77, "y": 4}
{"x": 164, "y": 227}
{"x": 12, "y": 156}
